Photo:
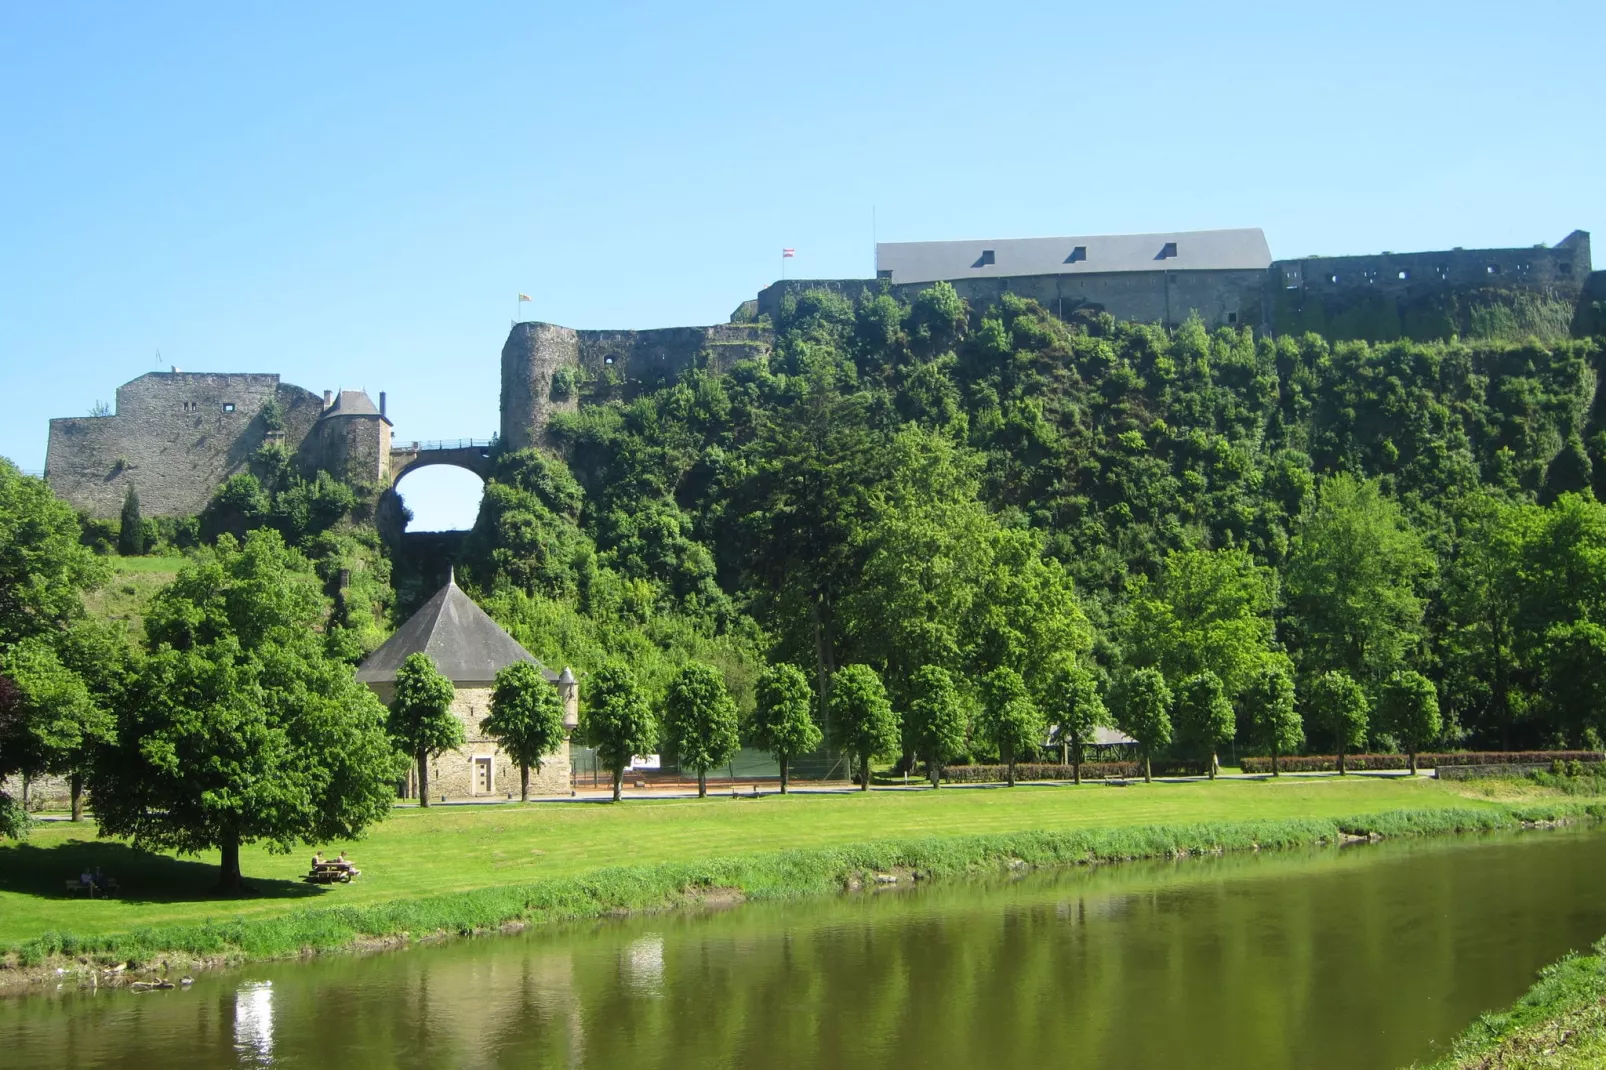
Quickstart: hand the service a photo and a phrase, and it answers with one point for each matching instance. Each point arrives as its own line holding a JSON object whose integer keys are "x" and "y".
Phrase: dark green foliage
{"x": 616, "y": 720}
{"x": 1339, "y": 707}
{"x": 936, "y": 720}
{"x": 44, "y": 569}
{"x": 1204, "y": 717}
{"x": 525, "y": 536}
{"x": 421, "y": 722}
{"x": 1073, "y": 704}
{"x": 1274, "y": 721}
{"x": 862, "y": 720}
{"x": 1144, "y": 713}
{"x": 240, "y": 505}
{"x": 131, "y": 527}
{"x": 783, "y": 723}
{"x": 238, "y": 728}
{"x": 1409, "y": 709}
{"x": 526, "y": 719}
{"x": 700, "y": 721}
{"x": 1010, "y": 720}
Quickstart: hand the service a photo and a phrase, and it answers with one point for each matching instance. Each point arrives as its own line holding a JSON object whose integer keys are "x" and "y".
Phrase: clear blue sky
{"x": 353, "y": 198}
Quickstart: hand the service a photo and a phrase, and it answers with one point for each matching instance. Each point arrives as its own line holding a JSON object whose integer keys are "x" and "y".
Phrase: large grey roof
{"x": 466, "y": 645}
{"x": 1196, "y": 250}
{"x": 352, "y": 403}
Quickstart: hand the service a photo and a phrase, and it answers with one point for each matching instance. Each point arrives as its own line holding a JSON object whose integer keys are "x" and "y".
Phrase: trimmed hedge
{"x": 990, "y": 774}
{"x": 1322, "y": 763}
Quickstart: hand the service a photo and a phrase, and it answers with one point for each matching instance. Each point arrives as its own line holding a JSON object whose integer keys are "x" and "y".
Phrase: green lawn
{"x": 169, "y": 565}
{"x": 133, "y": 584}
{"x": 455, "y": 848}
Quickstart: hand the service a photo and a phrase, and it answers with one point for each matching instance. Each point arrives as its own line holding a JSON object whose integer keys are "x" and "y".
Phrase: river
{"x": 1368, "y": 956}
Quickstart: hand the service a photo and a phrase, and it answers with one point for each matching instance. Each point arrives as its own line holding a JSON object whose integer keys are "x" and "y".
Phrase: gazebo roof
{"x": 466, "y": 645}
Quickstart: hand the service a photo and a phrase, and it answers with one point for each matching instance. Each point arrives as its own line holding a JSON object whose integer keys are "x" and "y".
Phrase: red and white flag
{"x": 788, "y": 253}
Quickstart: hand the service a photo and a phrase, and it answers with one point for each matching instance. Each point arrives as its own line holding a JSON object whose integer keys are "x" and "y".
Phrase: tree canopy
{"x": 526, "y": 719}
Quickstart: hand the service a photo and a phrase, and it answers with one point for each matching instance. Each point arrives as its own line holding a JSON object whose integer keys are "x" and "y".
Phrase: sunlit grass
{"x": 448, "y": 849}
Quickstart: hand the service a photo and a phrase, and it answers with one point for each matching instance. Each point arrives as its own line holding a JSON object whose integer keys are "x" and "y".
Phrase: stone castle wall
{"x": 606, "y": 364}
{"x": 1221, "y": 298}
{"x": 176, "y": 435}
{"x": 355, "y": 448}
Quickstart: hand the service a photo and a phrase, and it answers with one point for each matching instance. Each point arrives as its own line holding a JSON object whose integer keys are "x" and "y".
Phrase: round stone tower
{"x": 534, "y": 351}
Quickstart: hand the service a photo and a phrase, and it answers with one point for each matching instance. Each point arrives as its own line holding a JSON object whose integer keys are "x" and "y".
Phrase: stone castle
{"x": 176, "y": 435}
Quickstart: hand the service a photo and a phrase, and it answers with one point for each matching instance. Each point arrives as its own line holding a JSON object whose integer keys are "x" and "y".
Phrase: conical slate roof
{"x": 466, "y": 645}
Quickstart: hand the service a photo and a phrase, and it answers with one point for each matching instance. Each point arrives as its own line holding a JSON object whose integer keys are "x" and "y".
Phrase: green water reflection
{"x": 1365, "y": 957}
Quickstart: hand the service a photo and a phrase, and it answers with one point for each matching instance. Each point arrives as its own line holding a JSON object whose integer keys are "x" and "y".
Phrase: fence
{"x": 445, "y": 444}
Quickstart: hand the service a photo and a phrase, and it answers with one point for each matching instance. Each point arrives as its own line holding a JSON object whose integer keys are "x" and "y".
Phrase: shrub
{"x": 1322, "y": 763}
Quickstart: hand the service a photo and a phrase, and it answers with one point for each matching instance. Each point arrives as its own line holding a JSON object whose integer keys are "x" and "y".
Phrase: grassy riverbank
{"x": 1559, "y": 1024}
{"x": 467, "y": 869}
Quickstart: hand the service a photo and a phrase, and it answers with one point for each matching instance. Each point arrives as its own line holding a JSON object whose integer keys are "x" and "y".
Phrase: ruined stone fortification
{"x": 176, "y": 435}
{"x": 547, "y": 368}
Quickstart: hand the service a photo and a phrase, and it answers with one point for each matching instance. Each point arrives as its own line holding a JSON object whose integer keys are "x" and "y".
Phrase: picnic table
{"x": 105, "y": 886}
{"x": 332, "y": 871}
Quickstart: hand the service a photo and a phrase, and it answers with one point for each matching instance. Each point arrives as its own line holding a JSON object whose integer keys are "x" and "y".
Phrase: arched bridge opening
{"x": 436, "y": 485}
{"x": 470, "y": 453}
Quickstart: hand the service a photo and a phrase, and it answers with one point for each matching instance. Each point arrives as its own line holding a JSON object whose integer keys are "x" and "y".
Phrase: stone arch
{"x": 408, "y": 457}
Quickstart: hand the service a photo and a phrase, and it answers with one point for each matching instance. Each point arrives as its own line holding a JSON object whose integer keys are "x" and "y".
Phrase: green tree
{"x": 937, "y": 720}
{"x": 782, "y": 722}
{"x": 1145, "y": 714}
{"x": 131, "y": 529}
{"x": 1204, "y": 717}
{"x": 1072, "y": 702}
{"x": 1410, "y": 709}
{"x": 526, "y": 719}
{"x": 700, "y": 721}
{"x": 1354, "y": 577}
{"x": 1338, "y": 704}
{"x": 1010, "y": 720}
{"x": 421, "y": 719}
{"x": 56, "y": 723}
{"x": 44, "y": 570}
{"x": 617, "y": 721}
{"x": 1210, "y": 612}
{"x": 862, "y": 721}
{"x": 238, "y": 729}
{"x": 1275, "y": 721}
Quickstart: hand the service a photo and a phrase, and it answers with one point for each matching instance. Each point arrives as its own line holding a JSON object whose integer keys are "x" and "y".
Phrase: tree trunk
{"x": 864, "y": 772}
{"x": 1413, "y": 763}
{"x": 229, "y": 879}
{"x": 1274, "y": 771}
{"x": 1148, "y": 773}
{"x": 934, "y": 771}
{"x": 824, "y": 659}
{"x": 423, "y": 779}
{"x": 1213, "y": 764}
{"x": 524, "y": 782}
{"x": 1076, "y": 761}
{"x": 1009, "y": 764}
{"x": 77, "y": 795}
{"x": 784, "y": 763}
{"x": 702, "y": 783}
{"x": 1341, "y": 770}
{"x": 1065, "y": 753}
{"x": 618, "y": 782}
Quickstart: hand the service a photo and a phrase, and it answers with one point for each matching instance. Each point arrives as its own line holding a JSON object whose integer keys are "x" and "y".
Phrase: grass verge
{"x": 788, "y": 873}
{"x": 1559, "y": 1024}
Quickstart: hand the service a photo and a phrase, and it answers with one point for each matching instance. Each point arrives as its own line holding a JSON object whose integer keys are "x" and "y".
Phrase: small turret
{"x": 569, "y": 694}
